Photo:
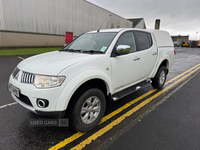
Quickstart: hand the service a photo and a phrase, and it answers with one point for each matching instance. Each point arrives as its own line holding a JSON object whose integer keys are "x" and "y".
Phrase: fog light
{"x": 42, "y": 103}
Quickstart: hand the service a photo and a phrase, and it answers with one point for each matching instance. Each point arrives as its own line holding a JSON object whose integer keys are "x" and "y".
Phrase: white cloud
{"x": 177, "y": 16}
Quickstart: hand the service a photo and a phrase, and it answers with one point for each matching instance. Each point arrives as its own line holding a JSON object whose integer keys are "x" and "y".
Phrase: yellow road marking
{"x": 125, "y": 106}
{"x": 79, "y": 134}
{"x": 121, "y": 118}
{"x": 181, "y": 74}
{"x": 67, "y": 141}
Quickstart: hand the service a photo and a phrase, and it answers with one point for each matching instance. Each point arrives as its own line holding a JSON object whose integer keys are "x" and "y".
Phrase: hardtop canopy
{"x": 163, "y": 39}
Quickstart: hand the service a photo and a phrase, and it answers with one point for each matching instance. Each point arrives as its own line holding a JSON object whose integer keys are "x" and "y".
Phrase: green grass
{"x": 24, "y": 51}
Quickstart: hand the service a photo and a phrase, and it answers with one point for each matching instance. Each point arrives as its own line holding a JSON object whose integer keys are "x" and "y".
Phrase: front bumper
{"x": 29, "y": 95}
{"x": 57, "y": 114}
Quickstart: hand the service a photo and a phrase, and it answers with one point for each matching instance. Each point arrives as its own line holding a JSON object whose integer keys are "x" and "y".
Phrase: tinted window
{"x": 127, "y": 39}
{"x": 144, "y": 40}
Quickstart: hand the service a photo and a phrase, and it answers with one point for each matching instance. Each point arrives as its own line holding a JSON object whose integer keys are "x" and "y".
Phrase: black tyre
{"x": 159, "y": 80}
{"x": 89, "y": 110}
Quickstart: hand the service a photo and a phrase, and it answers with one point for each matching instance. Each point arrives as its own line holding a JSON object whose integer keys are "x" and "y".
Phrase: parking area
{"x": 16, "y": 132}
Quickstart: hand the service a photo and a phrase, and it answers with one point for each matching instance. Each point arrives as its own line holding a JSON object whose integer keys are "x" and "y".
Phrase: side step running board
{"x": 130, "y": 90}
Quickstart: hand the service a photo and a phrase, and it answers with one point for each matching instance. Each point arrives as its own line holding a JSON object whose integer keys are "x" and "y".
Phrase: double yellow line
{"x": 121, "y": 118}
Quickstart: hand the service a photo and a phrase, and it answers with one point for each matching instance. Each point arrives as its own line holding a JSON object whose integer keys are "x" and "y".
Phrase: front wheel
{"x": 89, "y": 110}
{"x": 159, "y": 80}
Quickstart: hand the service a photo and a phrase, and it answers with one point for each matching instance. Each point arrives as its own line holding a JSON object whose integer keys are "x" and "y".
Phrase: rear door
{"x": 148, "y": 52}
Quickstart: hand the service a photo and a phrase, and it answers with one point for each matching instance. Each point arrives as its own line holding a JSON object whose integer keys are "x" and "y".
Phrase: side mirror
{"x": 123, "y": 49}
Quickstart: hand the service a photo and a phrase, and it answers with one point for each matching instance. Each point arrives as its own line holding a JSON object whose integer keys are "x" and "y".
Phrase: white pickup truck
{"x": 93, "y": 69}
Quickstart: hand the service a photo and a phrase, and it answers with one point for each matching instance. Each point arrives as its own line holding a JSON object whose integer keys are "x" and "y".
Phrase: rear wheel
{"x": 89, "y": 110}
{"x": 159, "y": 80}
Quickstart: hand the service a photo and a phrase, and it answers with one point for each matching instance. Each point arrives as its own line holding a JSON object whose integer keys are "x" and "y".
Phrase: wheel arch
{"x": 92, "y": 83}
{"x": 92, "y": 77}
{"x": 164, "y": 62}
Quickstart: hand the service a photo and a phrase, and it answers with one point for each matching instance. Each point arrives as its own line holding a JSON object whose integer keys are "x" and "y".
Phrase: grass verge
{"x": 26, "y": 51}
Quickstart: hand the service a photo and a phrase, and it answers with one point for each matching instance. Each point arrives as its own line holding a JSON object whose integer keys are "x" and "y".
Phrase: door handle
{"x": 154, "y": 53}
{"x": 136, "y": 58}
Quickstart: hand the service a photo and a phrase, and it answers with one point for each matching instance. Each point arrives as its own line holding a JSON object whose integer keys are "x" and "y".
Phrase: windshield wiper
{"x": 92, "y": 51}
{"x": 83, "y": 51}
{"x": 70, "y": 50}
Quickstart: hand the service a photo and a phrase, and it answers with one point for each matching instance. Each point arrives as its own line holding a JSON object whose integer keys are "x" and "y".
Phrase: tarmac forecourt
{"x": 170, "y": 85}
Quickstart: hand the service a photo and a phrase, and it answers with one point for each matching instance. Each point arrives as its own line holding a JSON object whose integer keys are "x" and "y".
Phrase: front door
{"x": 125, "y": 68}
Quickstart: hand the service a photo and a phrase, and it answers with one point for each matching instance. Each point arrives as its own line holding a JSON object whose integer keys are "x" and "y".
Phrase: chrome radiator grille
{"x": 27, "y": 77}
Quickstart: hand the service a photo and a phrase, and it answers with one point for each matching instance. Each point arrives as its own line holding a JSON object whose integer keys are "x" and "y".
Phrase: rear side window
{"x": 144, "y": 40}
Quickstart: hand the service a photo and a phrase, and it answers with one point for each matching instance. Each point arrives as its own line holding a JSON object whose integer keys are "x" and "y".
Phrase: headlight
{"x": 42, "y": 81}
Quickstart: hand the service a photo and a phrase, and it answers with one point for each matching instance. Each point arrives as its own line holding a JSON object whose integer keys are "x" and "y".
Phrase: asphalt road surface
{"x": 173, "y": 125}
{"x": 16, "y": 132}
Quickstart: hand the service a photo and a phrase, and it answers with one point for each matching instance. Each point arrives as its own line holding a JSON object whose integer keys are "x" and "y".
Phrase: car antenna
{"x": 102, "y": 24}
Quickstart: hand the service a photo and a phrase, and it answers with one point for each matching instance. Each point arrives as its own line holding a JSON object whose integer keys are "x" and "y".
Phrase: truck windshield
{"x": 92, "y": 42}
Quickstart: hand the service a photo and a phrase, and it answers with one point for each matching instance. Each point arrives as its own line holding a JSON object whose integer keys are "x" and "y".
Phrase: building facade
{"x": 138, "y": 23}
{"x": 180, "y": 38}
{"x": 38, "y": 23}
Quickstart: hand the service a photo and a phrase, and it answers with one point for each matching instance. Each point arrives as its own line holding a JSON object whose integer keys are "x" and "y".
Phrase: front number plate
{"x": 14, "y": 90}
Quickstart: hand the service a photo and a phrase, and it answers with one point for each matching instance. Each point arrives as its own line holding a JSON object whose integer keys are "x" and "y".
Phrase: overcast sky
{"x": 177, "y": 16}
